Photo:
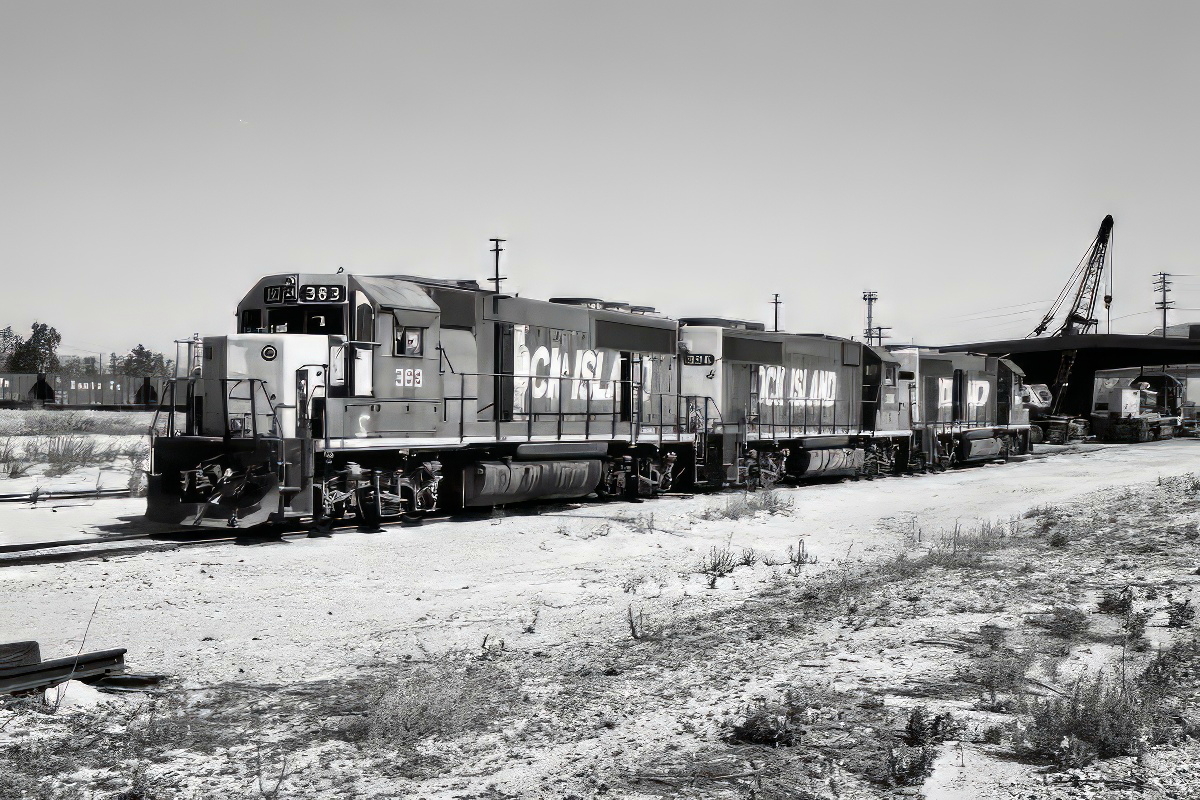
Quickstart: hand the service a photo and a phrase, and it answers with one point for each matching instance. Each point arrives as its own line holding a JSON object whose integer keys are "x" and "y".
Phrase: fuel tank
{"x": 829, "y": 461}
{"x": 490, "y": 483}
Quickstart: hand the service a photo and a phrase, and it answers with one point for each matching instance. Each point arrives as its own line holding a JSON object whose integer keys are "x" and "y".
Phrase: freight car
{"x": 22, "y": 389}
{"x": 386, "y": 397}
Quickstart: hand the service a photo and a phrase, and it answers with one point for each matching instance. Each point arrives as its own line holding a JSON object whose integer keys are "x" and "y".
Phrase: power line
{"x": 1000, "y": 308}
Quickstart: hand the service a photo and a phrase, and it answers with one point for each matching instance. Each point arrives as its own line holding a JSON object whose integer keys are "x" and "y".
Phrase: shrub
{"x": 1116, "y": 603}
{"x": 12, "y": 461}
{"x": 993, "y": 636}
{"x": 924, "y": 728}
{"x": 748, "y": 504}
{"x": 1064, "y": 622}
{"x": 40, "y": 422}
{"x": 1059, "y": 538}
{"x": 642, "y": 629}
{"x": 445, "y": 697}
{"x": 1135, "y": 630}
{"x": 1097, "y": 719}
{"x": 1180, "y": 614}
{"x": 966, "y": 547}
{"x": 799, "y": 557}
{"x": 910, "y": 766}
{"x": 66, "y": 453}
{"x": 717, "y": 564}
{"x": 1002, "y": 671}
{"x": 775, "y": 723}
{"x": 764, "y": 722}
{"x": 749, "y": 557}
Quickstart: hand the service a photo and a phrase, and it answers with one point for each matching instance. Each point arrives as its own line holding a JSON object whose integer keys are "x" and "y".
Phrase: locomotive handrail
{"x": 228, "y": 386}
{"x": 670, "y": 416}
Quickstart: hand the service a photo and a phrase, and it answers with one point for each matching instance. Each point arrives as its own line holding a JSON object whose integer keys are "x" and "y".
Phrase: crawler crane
{"x": 1085, "y": 285}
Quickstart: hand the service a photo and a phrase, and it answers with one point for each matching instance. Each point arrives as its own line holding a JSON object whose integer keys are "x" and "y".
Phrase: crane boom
{"x": 1086, "y": 281}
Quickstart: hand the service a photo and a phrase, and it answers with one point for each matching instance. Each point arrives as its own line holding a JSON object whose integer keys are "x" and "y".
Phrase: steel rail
{"x": 40, "y": 495}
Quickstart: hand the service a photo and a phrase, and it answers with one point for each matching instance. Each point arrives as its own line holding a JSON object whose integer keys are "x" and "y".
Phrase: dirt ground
{"x": 586, "y": 651}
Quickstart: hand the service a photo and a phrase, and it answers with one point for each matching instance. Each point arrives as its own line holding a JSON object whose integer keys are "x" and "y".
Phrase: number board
{"x": 310, "y": 293}
{"x": 279, "y": 294}
{"x": 699, "y": 359}
{"x": 409, "y": 377}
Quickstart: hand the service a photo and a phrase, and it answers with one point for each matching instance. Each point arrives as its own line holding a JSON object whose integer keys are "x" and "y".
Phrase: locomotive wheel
{"x": 369, "y": 514}
{"x": 871, "y": 467}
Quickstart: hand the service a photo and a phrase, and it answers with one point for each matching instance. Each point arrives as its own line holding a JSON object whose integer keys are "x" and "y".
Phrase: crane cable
{"x": 1080, "y": 269}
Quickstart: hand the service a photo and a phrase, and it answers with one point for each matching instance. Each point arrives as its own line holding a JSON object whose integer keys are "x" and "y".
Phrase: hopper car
{"x": 377, "y": 398}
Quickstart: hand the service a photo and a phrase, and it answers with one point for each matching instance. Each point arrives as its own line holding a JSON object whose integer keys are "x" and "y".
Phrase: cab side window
{"x": 410, "y": 341}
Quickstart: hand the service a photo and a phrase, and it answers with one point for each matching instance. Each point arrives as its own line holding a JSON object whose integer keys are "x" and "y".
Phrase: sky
{"x": 156, "y": 158}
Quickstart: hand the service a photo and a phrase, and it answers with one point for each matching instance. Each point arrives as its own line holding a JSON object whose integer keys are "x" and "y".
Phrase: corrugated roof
{"x": 392, "y": 293}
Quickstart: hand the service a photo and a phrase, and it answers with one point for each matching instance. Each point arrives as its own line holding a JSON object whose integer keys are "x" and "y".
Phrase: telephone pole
{"x": 873, "y": 332}
{"x": 497, "y": 249}
{"x": 776, "y": 302}
{"x": 1162, "y": 285}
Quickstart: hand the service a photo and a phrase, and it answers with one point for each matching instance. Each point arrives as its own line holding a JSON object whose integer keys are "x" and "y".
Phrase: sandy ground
{"x": 550, "y": 587}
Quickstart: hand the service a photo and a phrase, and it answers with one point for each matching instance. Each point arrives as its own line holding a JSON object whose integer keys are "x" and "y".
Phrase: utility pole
{"x": 1162, "y": 285}
{"x": 776, "y": 302}
{"x": 497, "y": 249}
{"x": 873, "y": 332}
{"x": 870, "y": 297}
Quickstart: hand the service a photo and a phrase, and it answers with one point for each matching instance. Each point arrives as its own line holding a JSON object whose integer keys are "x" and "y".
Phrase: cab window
{"x": 322, "y": 320}
{"x": 252, "y": 320}
{"x": 410, "y": 341}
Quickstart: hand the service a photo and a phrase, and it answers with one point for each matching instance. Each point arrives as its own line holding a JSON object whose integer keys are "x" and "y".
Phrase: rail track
{"x": 42, "y": 495}
{"x": 68, "y": 550}
{"x": 65, "y": 551}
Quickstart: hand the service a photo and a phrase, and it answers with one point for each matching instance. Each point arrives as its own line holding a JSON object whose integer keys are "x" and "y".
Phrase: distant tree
{"x": 78, "y": 366}
{"x": 145, "y": 362}
{"x": 71, "y": 366}
{"x": 38, "y": 353}
{"x": 8, "y": 342}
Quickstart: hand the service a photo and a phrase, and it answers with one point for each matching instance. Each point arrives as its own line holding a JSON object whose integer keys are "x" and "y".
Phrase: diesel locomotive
{"x": 386, "y": 397}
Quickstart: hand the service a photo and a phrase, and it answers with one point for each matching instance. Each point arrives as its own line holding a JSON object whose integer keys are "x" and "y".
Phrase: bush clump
{"x": 1116, "y": 603}
{"x": 1098, "y": 718}
{"x": 1064, "y": 622}
{"x": 39, "y": 422}
{"x": 1180, "y": 613}
{"x": 776, "y": 723}
{"x": 446, "y": 697}
{"x": 911, "y": 761}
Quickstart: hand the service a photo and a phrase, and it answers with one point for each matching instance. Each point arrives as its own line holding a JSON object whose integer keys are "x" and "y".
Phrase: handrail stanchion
{"x": 462, "y": 407}
{"x": 529, "y": 408}
{"x": 560, "y": 411}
